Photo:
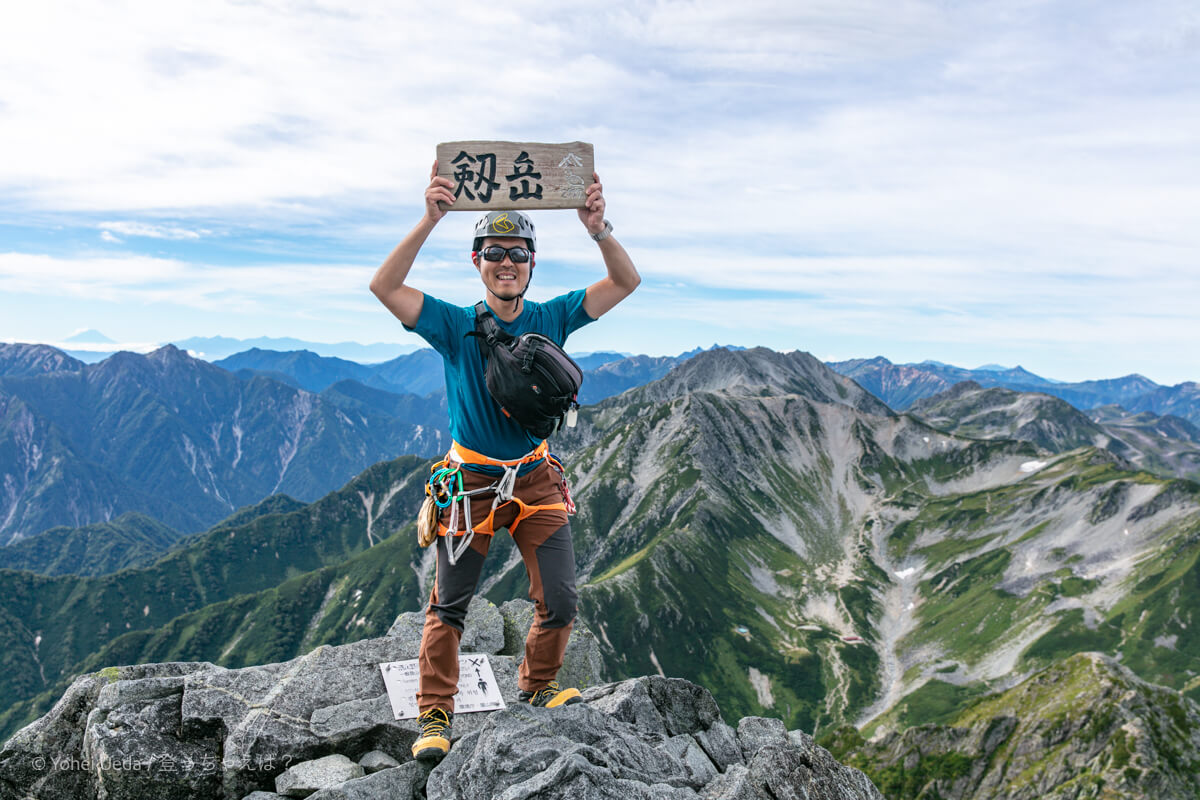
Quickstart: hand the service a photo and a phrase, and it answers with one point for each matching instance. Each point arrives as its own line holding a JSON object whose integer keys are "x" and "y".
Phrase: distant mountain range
{"x": 901, "y": 385}
{"x": 179, "y": 439}
{"x": 608, "y": 374}
{"x": 1167, "y": 445}
{"x": 421, "y": 372}
{"x": 758, "y": 523}
{"x": 187, "y": 442}
{"x": 91, "y": 346}
{"x": 164, "y": 434}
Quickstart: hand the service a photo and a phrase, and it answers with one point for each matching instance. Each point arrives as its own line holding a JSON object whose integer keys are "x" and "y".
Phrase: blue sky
{"x": 1010, "y": 182}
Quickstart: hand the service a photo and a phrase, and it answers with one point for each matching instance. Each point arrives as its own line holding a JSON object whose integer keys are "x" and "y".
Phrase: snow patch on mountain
{"x": 762, "y": 688}
{"x": 294, "y": 417}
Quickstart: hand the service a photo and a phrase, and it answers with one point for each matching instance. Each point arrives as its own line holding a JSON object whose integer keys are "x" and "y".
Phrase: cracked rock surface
{"x": 298, "y": 728}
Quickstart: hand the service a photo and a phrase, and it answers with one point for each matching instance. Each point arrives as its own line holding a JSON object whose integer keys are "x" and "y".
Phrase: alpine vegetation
{"x": 911, "y": 590}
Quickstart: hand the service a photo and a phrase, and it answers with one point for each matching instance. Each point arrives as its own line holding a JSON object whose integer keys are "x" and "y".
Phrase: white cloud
{"x": 782, "y": 36}
{"x": 980, "y": 163}
{"x": 144, "y": 280}
{"x": 105, "y": 347}
{"x": 148, "y": 230}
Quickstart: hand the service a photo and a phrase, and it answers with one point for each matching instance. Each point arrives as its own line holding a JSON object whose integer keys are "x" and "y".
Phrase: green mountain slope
{"x": 355, "y": 599}
{"x": 275, "y": 504}
{"x": 1084, "y": 727}
{"x": 817, "y": 560}
{"x": 50, "y": 624}
{"x": 991, "y": 584}
{"x": 130, "y": 540}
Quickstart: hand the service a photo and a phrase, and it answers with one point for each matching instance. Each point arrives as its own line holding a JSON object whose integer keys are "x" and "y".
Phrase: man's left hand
{"x": 592, "y": 213}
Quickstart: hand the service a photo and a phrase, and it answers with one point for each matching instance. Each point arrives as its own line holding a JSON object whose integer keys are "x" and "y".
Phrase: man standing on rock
{"x": 488, "y": 444}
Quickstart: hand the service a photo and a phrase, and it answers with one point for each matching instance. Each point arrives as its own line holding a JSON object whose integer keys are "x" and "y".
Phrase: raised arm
{"x": 622, "y": 277}
{"x": 388, "y": 284}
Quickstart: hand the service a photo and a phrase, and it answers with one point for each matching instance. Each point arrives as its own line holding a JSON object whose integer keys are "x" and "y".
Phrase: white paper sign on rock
{"x": 477, "y": 688}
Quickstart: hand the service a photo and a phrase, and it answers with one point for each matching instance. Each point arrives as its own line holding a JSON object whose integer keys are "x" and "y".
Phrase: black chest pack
{"x": 530, "y": 376}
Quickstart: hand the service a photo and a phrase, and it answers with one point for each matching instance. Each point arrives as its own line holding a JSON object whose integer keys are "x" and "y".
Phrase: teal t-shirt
{"x": 476, "y": 420}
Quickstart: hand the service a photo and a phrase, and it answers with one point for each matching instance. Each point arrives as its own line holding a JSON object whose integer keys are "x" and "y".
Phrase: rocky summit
{"x": 321, "y": 726}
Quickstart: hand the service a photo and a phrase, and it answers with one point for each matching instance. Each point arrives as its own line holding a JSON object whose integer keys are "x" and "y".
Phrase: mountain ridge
{"x": 195, "y": 441}
{"x": 899, "y": 385}
{"x": 758, "y": 524}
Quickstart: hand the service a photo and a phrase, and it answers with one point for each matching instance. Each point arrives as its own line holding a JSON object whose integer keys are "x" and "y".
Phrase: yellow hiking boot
{"x": 434, "y": 741}
{"x": 551, "y": 696}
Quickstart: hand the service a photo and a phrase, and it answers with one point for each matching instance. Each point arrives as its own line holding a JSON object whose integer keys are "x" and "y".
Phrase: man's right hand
{"x": 440, "y": 190}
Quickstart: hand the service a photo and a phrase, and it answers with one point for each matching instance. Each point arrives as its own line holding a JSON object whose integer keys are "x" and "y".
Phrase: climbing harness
{"x": 445, "y": 489}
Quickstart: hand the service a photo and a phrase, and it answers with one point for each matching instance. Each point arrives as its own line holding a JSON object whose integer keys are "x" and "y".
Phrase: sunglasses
{"x": 495, "y": 252}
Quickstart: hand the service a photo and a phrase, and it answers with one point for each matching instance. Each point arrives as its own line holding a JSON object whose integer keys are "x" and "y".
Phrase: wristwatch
{"x": 604, "y": 234}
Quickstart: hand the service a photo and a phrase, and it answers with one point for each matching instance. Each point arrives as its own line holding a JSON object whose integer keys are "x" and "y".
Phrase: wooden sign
{"x": 516, "y": 175}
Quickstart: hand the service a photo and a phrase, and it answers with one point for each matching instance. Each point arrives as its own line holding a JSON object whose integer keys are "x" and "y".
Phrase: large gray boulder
{"x": 199, "y": 730}
{"x": 308, "y": 777}
{"x": 640, "y": 738}
{"x": 195, "y": 730}
{"x": 405, "y": 782}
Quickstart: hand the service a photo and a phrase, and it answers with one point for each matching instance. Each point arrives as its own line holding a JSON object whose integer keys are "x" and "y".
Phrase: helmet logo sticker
{"x": 502, "y": 224}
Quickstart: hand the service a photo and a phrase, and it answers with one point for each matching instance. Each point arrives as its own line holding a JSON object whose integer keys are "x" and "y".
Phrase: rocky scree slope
{"x": 968, "y": 409}
{"x": 805, "y": 551}
{"x": 193, "y": 730}
{"x": 730, "y": 526}
{"x": 1164, "y": 445}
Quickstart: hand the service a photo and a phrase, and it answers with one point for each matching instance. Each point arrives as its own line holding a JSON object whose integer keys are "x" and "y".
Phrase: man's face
{"x": 503, "y": 278}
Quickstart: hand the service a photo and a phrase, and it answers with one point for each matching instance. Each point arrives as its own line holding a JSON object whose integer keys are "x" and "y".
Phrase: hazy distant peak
{"x": 89, "y": 336}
